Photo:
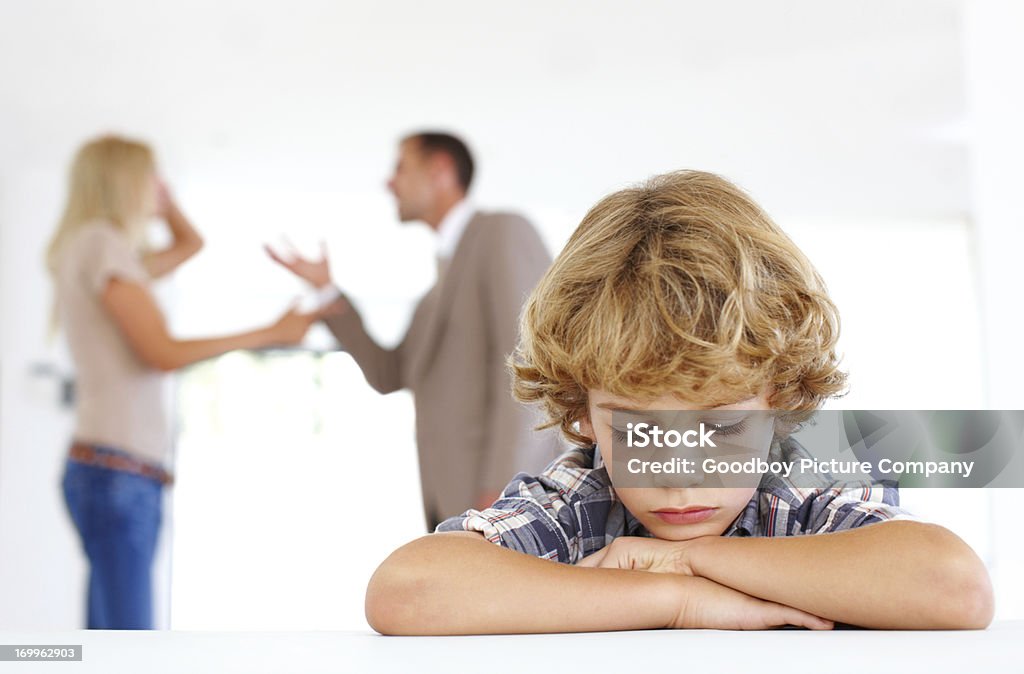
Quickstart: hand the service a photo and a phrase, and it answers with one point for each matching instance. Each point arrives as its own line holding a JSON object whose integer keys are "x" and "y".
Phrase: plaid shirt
{"x": 570, "y": 510}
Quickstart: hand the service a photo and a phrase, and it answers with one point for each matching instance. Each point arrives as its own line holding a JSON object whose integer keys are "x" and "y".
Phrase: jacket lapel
{"x": 444, "y": 293}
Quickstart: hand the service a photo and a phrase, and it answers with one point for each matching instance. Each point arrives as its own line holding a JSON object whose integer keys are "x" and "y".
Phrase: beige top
{"x": 119, "y": 400}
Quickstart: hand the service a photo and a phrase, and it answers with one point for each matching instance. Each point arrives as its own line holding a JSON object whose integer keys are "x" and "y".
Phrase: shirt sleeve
{"x": 108, "y": 255}
{"x": 527, "y": 517}
{"x": 839, "y": 509}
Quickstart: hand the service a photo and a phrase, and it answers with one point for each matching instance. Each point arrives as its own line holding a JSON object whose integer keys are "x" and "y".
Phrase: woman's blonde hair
{"x": 110, "y": 180}
{"x": 681, "y": 285}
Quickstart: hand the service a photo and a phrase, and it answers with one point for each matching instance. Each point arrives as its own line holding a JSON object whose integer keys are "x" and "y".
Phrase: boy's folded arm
{"x": 890, "y": 575}
{"x": 459, "y": 583}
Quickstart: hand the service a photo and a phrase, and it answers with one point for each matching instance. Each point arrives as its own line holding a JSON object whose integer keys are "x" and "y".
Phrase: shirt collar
{"x": 750, "y": 520}
{"x": 631, "y": 525}
{"x": 452, "y": 226}
{"x": 746, "y": 522}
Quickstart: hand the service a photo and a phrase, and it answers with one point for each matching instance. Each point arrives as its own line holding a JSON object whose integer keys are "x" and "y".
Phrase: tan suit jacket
{"x": 471, "y": 435}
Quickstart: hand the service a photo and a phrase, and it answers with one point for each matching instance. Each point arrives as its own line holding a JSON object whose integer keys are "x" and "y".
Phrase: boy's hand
{"x": 644, "y": 554}
{"x": 704, "y": 604}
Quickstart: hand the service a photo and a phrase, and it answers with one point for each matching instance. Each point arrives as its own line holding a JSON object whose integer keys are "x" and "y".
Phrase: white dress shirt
{"x": 451, "y": 228}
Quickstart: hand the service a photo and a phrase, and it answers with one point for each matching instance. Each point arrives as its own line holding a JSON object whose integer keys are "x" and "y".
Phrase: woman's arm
{"x": 186, "y": 240}
{"x": 143, "y": 326}
{"x": 459, "y": 583}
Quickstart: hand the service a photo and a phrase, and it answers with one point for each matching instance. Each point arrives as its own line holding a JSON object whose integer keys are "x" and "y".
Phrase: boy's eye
{"x": 730, "y": 429}
{"x": 622, "y": 434}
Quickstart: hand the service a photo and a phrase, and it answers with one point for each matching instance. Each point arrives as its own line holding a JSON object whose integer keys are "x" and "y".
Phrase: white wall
{"x": 40, "y": 569}
{"x": 845, "y": 120}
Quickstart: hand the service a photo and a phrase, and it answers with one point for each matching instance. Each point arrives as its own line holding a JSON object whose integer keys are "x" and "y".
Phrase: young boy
{"x": 680, "y": 294}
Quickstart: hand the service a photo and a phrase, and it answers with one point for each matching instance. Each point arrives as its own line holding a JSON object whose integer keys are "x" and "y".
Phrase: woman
{"x": 122, "y": 349}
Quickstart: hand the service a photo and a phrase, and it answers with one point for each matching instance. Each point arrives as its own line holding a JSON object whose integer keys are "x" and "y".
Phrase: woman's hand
{"x": 292, "y": 327}
{"x": 186, "y": 240}
{"x": 164, "y": 200}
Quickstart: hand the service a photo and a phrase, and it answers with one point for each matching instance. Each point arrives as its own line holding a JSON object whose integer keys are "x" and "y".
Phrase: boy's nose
{"x": 687, "y": 461}
{"x": 679, "y": 480}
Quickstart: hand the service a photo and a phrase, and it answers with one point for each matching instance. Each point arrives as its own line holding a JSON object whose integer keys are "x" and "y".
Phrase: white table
{"x": 998, "y": 649}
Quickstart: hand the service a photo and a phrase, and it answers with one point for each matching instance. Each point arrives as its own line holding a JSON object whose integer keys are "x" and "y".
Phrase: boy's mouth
{"x": 689, "y": 515}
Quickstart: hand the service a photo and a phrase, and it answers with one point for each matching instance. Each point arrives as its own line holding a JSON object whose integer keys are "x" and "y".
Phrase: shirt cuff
{"x": 327, "y": 295}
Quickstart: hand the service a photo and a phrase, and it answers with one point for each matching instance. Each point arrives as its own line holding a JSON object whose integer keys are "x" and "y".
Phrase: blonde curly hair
{"x": 680, "y": 285}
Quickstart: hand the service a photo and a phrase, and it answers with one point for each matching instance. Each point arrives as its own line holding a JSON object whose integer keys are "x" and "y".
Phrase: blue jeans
{"x": 117, "y": 515}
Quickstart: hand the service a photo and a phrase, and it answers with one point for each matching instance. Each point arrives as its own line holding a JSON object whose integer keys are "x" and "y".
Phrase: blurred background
{"x": 883, "y": 135}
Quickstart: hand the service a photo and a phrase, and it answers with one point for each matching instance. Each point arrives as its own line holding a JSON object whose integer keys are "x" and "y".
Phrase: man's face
{"x": 670, "y": 513}
{"x": 412, "y": 183}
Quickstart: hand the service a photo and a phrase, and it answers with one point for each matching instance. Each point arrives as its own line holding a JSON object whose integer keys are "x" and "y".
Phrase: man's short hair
{"x": 681, "y": 286}
{"x": 432, "y": 142}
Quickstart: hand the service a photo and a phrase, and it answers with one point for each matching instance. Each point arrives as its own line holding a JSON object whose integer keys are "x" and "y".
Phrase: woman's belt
{"x": 117, "y": 460}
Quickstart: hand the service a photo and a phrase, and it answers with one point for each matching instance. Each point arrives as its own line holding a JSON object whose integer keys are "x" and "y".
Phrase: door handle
{"x": 66, "y": 381}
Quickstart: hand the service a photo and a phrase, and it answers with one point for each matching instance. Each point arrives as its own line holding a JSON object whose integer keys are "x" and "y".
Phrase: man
{"x": 470, "y": 433}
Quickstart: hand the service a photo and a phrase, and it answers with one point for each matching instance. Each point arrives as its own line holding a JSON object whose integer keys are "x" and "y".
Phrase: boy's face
{"x": 669, "y": 513}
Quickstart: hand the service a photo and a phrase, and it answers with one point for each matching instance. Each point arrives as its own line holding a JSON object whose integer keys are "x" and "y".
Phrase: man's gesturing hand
{"x": 315, "y": 272}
